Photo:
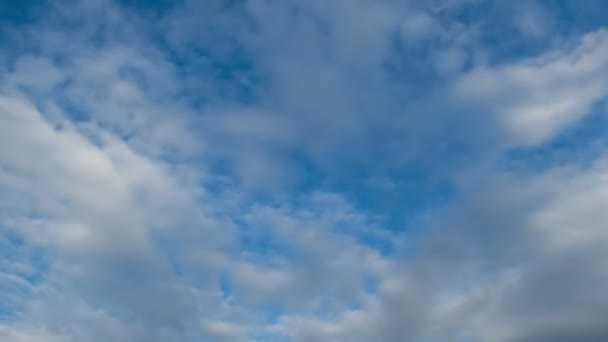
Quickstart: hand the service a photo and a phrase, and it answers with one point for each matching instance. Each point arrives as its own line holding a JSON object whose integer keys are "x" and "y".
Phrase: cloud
{"x": 89, "y": 218}
{"x": 536, "y": 99}
{"x": 27, "y": 334}
{"x": 483, "y": 278}
{"x": 286, "y": 171}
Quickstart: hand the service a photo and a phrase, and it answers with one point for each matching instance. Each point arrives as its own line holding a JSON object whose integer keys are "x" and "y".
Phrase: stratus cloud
{"x": 535, "y": 99}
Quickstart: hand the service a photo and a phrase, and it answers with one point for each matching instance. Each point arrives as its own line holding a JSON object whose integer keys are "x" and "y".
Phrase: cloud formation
{"x": 303, "y": 171}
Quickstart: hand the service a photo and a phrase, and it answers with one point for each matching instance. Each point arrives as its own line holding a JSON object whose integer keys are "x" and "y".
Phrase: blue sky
{"x": 321, "y": 170}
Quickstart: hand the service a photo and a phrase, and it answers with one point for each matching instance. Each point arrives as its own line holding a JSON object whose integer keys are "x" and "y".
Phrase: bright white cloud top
{"x": 323, "y": 170}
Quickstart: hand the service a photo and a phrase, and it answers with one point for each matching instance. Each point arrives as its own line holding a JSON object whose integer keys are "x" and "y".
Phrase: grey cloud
{"x": 499, "y": 276}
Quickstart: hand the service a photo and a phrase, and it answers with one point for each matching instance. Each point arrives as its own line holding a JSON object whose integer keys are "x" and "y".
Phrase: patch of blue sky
{"x": 212, "y": 55}
{"x": 579, "y": 17}
{"x": 401, "y": 193}
{"x": 21, "y": 268}
{"x": 511, "y": 30}
{"x": 232, "y": 75}
{"x": 15, "y": 248}
{"x": 19, "y": 12}
{"x": 225, "y": 286}
{"x": 261, "y": 244}
{"x": 156, "y": 6}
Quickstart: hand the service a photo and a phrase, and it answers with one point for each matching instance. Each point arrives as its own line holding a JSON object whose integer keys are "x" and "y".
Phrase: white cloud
{"x": 535, "y": 99}
{"x": 95, "y": 204}
{"x": 117, "y": 209}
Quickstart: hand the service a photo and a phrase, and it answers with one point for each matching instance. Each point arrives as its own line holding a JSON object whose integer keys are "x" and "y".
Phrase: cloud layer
{"x": 303, "y": 171}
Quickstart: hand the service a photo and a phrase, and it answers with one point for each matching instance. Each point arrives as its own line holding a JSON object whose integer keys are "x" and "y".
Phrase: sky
{"x": 303, "y": 171}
